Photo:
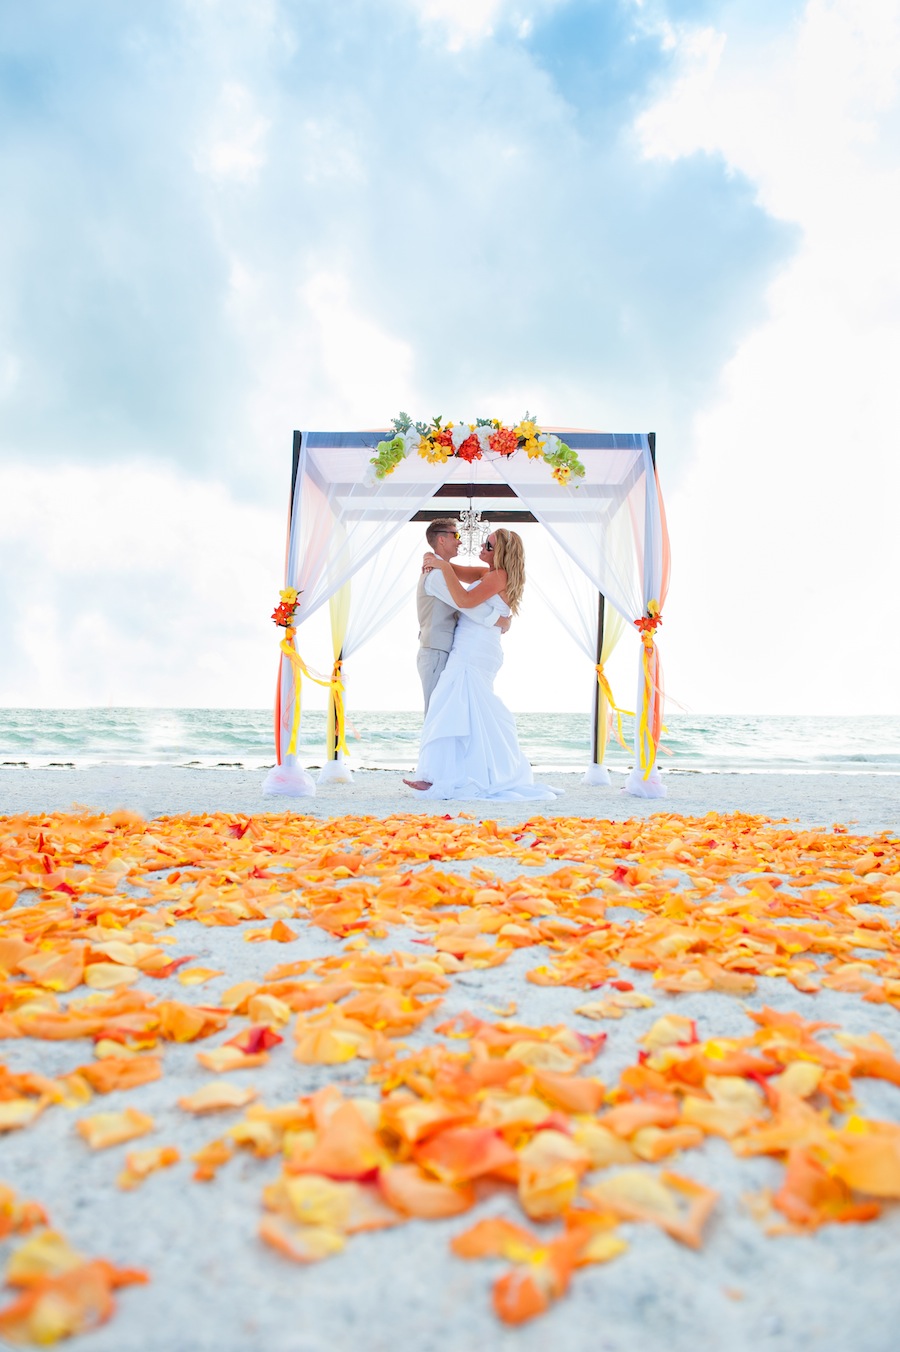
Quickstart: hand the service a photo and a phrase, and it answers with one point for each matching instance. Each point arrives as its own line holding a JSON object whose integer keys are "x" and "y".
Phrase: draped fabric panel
{"x": 359, "y": 609}
{"x": 341, "y": 518}
{"x": 571, "y": 598}
{"x": 611, "y": 524}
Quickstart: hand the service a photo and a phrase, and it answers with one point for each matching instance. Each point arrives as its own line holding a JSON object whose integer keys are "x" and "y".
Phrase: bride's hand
{"x": 431, "y": 561}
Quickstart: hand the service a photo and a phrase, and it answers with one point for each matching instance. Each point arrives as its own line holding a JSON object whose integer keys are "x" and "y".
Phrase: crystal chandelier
{"x": 473, "y": 530}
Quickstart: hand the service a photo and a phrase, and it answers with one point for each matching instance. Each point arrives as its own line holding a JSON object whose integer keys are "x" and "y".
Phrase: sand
{"x": 867, "y": 802}
{"x": 214, "y": 1286}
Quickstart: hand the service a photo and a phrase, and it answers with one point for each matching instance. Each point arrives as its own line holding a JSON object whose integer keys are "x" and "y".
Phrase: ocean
{"x": 242, "y": 738}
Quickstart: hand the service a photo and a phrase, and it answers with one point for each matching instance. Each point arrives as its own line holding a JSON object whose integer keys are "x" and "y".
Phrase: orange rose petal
{"x": 225, "y": 1059}
{"x": 347, "y": 1148}
{"x": 56, "y": 970}
{"x": 217, "y": 1096}
{"x": 301, "y": 1243}
{"x": 210, "y": 1158}
{"x": 810, "y": 1196}
{"x": 121, "y": 1072}
{"x": 45, "y": 1254}
{"x": 107, "y": 1129}
{"x": 104, "y": 976}
{"x": 59, "y": 1307}
{"x": 495, "y": 1237}
{"x": 461, "y": 1154}
{"x": 257, "y": 1039}
{"x": 410, "y": 1190}
{"x": 572, "y": 1093}
{"x": 197, "y": 976}
{"x": 678, "y": 1205}
{"x": 19, "y": 1112}
{"x": 518, "y": 1296}
{"x": 140, "y": 1164}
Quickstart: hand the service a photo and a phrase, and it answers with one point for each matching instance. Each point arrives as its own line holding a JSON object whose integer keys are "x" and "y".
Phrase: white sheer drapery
{"x": 359, "y": 609}
{"x": 573, "y": 601}
{"x": 611, "y": 524}
{"x": 341, "y": 518}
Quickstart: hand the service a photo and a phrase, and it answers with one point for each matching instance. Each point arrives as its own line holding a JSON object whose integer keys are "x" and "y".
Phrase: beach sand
{"x": 866, "y": 802}
{"x": 215, "y": 1286}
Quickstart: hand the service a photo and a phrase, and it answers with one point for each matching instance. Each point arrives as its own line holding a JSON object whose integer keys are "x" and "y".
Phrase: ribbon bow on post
{"x": 606, "y": 688}
{"x": 336, "y": 685}
{"x": 283, "y": 615}
{"x": 649, "y": 726}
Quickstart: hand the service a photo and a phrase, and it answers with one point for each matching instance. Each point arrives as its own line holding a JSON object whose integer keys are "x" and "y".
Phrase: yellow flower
{"x": 289, "y": 596}
{"x": 434, "y": 451}
{"x": 527, "y": 430}
{"x": 562, "y": 474}
{"x": 653, "y": 608}
{"x": 533, "y": 448}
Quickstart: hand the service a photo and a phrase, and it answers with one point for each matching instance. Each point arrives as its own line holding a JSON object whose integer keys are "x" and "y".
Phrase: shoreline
{"x": 867, "y": 802}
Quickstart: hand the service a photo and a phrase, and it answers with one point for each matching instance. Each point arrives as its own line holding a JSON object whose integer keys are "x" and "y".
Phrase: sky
{"x": 225, "y": 219}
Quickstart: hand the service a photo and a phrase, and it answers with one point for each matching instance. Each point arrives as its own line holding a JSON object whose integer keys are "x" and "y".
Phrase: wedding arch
{"x": 597, "y": 495}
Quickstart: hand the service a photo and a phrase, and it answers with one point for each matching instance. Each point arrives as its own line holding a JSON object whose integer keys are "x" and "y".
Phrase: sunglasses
{"x": 488, "y": 546}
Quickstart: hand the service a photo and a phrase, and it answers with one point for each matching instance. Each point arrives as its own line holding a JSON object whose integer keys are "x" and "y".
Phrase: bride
{"x": 469, "y": 745}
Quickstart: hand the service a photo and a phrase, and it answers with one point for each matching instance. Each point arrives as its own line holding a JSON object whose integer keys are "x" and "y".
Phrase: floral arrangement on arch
{"x": 437, "y": 442}
{"x": 284, "y": 612}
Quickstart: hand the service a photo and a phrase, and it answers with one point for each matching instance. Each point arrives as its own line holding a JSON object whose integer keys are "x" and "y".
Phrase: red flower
{"x": 283, "y": 614}
{"x": 443, "y": 438}
{"x": 503, "y": 441}
{"x": 470, "y": 449}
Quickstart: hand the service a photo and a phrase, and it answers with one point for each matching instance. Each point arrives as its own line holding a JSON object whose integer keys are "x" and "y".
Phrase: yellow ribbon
{"x": 646, "y": 744}
{"x": 340, "y": 717}
{"x": 607, "y": 691}
{"x": 301, "y": 670}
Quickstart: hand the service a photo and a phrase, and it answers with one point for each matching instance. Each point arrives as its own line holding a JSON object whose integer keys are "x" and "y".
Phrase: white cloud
{"x": 136, "y": 586}
{"x": 234, "y": 146}
{"x": 359, "y": 359}
{"x": 784, "y": 533}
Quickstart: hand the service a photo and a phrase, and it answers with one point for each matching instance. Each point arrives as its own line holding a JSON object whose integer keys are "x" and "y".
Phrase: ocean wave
{"x": 242, "y": 738}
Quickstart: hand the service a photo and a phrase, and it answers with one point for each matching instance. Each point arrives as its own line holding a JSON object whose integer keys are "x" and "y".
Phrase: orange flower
{"x": 470, "y": 449}
{"x": 503, "y": 441}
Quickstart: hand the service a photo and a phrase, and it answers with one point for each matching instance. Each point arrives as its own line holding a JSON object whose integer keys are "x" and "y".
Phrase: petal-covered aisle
{"x": 517, "y": 1083}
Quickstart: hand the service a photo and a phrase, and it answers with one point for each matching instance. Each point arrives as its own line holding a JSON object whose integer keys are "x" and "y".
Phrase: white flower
{"x": 484, "y": 435}
{"x": 550, "y": 444}
{"x": 411, "y": 439}
{"x": 460, "y": 431}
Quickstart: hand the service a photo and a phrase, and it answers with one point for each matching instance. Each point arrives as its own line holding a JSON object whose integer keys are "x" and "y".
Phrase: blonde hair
{"x": 509, "y": 554}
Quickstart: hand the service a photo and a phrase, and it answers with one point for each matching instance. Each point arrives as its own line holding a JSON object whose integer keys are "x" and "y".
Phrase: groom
{"x": 437, "y": 614}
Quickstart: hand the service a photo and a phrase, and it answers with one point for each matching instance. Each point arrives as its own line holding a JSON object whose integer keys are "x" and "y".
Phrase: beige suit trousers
{"x": 431, "y": 662}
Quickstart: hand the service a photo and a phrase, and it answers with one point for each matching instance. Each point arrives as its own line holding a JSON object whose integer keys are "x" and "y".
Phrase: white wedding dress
{"x": 469, "y": 744}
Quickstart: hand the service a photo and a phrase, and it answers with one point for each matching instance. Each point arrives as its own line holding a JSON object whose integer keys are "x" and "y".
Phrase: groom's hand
{"x": 503, "y": 624}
